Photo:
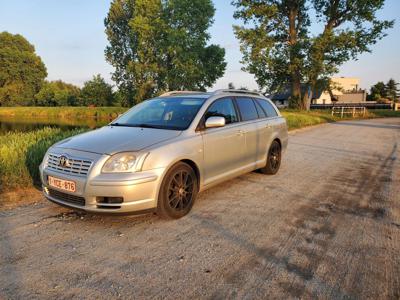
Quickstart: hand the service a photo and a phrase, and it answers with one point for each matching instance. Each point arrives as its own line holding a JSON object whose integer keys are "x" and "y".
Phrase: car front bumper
{"x": 139, "y": 191}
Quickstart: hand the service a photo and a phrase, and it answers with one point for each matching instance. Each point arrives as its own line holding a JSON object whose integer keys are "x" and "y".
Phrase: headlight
{"x": 45, "y": 160}
{"x": 121, "y": 163}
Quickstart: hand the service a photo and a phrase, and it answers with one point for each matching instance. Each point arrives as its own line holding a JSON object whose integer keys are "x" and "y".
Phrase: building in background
{"x": 344, "y": 90}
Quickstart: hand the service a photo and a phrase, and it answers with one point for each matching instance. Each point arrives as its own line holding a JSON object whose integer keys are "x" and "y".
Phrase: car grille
{"x": 76, "y": 167}
{"x": 76, "y": 200}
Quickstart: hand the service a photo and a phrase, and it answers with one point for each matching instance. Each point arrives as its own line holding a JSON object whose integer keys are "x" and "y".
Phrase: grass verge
{"x": 299, "y": 119}
{"x": 22, "y": 153}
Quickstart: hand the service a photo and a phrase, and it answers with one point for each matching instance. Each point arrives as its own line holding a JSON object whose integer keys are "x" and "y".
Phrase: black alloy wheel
{"x": 178, "y": 191}
{"x": 273, "y": 159}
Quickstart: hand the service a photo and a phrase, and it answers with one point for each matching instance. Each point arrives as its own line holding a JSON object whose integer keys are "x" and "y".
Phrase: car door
{"x": 249, "y": 118}
{"x": 265, "y": 130}
{"x": 224, "y": 147}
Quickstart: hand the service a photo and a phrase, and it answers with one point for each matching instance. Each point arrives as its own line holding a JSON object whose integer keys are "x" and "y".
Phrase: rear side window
{"x": 267, "y": 107}
{"x": 247, "y": 109}
{"x": 223, "y": 108}
{"x": 260, "y": 110}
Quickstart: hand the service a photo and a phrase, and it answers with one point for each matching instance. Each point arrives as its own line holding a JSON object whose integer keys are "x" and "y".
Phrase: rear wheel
{"x": 178, "y": 192}
{"x": 273, "y": 159}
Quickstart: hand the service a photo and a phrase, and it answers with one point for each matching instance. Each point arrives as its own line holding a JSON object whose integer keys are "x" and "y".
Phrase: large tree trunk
{"x": 307, "y": 97}
{"x": 295, "y": 99}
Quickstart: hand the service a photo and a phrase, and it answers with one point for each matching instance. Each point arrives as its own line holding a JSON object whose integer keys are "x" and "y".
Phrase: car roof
{"x": 199, "y": 94}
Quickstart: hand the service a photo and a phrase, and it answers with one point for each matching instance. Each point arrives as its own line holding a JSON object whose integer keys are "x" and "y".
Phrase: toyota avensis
{"x": 161, "y": 153}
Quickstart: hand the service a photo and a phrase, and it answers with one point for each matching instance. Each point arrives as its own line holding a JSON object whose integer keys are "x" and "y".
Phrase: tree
{"x": 22, "y": 72}
{"x": 97, "y": 92}
{"x": 160, "y": 45}
{"x": 280, "y": 49}
{"x": 392, "y": 89}
{"x": 272, "y": 46}
{"x": 57, "y": 93}
{"x": 378, "y": 91}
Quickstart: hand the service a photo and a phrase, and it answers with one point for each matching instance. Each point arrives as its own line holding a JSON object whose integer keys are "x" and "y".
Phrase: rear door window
{"x": 267, "y": 107}
{"x": 247, "y": 108}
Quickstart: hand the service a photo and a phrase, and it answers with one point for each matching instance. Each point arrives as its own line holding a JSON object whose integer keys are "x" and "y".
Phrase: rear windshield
{"x": 162, "y": 113}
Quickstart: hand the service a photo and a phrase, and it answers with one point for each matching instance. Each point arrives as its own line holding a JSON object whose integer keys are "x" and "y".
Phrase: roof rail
{"x": 237, "y": 92}
{"x": 172, "y": 93}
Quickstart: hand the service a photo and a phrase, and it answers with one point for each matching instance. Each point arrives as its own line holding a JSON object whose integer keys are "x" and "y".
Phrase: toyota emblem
{"x": 63, "y": 161}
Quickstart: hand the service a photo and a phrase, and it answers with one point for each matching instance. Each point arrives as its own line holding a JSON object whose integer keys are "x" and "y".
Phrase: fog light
{"x": 110, "y": 200}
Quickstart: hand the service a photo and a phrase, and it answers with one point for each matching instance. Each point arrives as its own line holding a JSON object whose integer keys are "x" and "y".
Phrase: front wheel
{"x": 178, "y": 192}
{"x": 273, "y": 159}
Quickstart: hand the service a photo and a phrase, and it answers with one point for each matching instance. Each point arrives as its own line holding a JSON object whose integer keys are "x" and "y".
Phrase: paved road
{"x": 327, "y": 226}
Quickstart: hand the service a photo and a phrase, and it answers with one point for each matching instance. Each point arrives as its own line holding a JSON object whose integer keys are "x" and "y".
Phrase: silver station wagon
{"x": 161, "y": 153}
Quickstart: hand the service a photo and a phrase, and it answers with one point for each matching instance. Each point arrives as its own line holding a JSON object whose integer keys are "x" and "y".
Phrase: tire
{"x": 178, "y": 192}
{"x": 274, "y": 158}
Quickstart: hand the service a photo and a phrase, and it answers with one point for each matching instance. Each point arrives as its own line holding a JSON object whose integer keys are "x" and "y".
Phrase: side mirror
{"x": 213, "y": 122}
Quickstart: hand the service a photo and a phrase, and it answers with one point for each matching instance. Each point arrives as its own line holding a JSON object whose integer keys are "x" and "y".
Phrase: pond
{"x": 13, "y": 124}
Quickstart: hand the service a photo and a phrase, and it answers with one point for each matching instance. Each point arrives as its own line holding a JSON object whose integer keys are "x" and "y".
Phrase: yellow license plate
{"x": 62, "y": 184}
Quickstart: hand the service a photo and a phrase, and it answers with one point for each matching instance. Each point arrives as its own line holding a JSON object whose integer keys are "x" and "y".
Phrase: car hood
{"x": 112, "y": 139}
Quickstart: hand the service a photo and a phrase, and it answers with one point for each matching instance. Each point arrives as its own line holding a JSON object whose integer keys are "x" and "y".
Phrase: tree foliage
{"x": 58, "y": 93}
{"x": 392, "y": 89}
{"x": 280, "y": 49}
{"x": 97, "y": 92}
{"x": 160, "y": 45}
{"x": 380, "y": 91}
{"x": 22, "y": 72}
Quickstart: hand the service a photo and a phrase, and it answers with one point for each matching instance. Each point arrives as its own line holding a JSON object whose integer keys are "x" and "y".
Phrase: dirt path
{"x": 327, "y": 226}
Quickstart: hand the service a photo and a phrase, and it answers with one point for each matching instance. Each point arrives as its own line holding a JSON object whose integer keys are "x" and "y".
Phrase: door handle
{"x": 268, "y": 126}
{"x": 240, "y": 132}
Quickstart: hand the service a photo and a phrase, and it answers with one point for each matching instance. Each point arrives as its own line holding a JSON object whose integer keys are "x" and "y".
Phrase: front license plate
{"x": 61, "y": 184}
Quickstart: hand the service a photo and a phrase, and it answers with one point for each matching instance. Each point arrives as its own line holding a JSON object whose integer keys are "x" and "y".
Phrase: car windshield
{"x": 162, "y": 113}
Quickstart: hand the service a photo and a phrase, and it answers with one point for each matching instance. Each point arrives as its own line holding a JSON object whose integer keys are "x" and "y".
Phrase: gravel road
{"x": 327, "y": 226}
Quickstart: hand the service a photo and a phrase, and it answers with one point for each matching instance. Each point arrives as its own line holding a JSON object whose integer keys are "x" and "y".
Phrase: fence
{"x": 349, "y": 110}
{"x": 363, "y": 104}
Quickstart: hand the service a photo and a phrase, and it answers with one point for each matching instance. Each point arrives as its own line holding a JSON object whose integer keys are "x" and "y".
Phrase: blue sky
{"x": 69, "y": 36}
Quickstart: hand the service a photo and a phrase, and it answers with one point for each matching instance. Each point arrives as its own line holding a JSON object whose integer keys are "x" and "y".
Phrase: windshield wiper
{"x": 137, "y": 125}
{"x": 119, "y": 124}
{"x": 147, "y": 126}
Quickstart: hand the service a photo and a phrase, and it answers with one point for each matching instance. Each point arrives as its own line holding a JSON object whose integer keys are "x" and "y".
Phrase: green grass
{"x": 299, "y": 119}
{"x": 383, "y": 113}
{"x": 21, "y": 154}
{"x": 63, "y": 112}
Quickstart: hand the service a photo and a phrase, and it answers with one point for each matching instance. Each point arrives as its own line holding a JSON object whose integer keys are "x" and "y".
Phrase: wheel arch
{"x": 191, "y": 163}
{"x": 195, "y": 168}
{"x": 278, "y": 140}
